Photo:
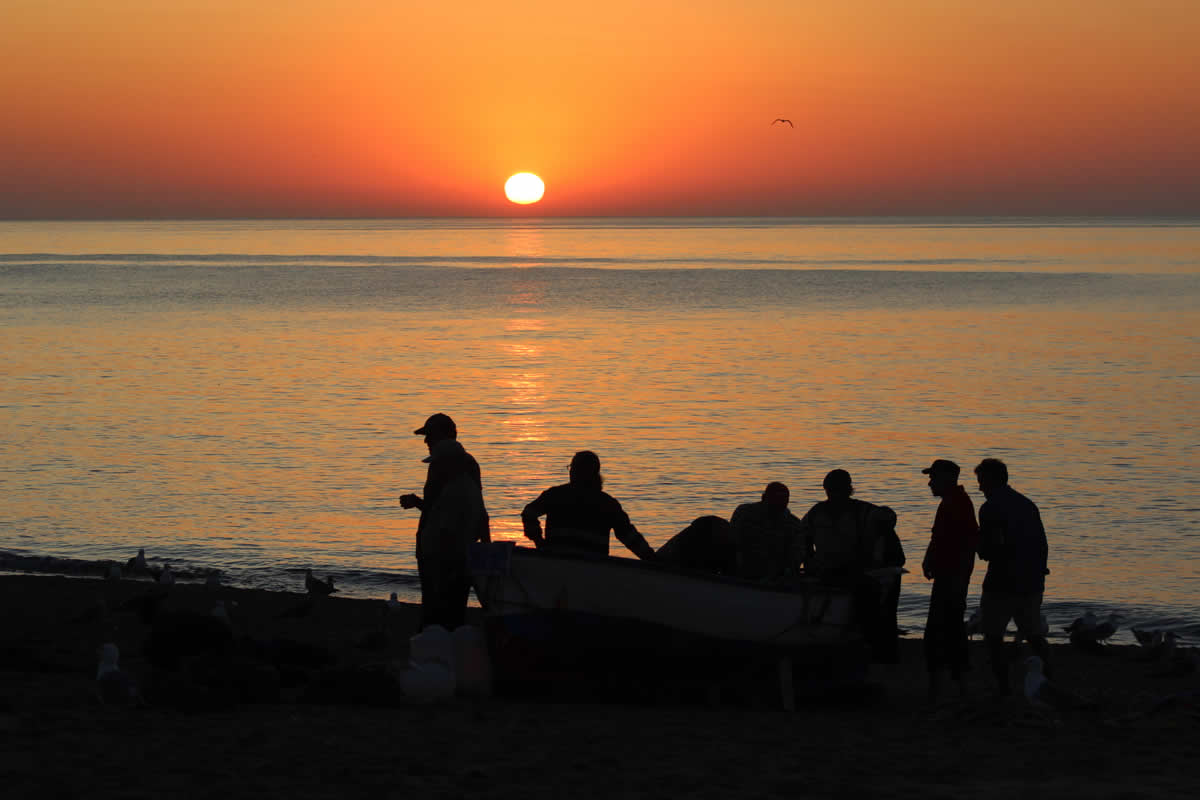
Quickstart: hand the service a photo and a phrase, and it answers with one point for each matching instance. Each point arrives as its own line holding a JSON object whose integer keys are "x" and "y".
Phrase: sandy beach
{"x": 336, "y": 726}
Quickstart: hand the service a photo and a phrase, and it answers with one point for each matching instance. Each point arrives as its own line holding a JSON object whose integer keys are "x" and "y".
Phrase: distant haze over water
{"x": 241, "y": 395}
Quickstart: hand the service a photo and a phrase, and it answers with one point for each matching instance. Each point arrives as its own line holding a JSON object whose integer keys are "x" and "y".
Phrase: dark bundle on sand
{"x": 292, "y": 707}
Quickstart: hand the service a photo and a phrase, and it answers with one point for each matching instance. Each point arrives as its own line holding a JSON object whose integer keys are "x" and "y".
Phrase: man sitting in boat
{"x": 580, "y": 514}
{"x": 844, "y": 538}
{"x": 706, "y": 545}
{"x": 767, "y": 535}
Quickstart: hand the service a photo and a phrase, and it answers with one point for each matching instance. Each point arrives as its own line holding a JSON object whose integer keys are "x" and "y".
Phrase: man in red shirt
{"x": 948, "y": 562}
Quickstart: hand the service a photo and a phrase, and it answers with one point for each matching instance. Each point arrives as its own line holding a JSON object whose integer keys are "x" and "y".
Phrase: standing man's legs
{"x": 934, "y": 640}
{"x": 956, "y": 631}
{"x": 445, "y": 587}
{"x": 427, "y": 573}
{"x": 1027, "y": 613}
{"x": 945, "y": 633}
{"x": 456, "y": 592}
{"x": 995, "y": 609}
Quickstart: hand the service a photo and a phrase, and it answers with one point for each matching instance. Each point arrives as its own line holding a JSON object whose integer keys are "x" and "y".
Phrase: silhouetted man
{"x": 452, "y": 516}
{"x": 707, "y": 545}
{"x": 842, "y": 534}
{"x": 1013, "y": 542}
{"x": 580, "y": 514}
{"x": 767, "y": 535}
{"x": 949, "y": 562}
{"x": 844, "y": 538}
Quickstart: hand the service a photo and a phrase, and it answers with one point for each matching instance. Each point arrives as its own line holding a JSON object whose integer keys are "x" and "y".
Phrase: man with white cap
{"x": 453, "y": 516}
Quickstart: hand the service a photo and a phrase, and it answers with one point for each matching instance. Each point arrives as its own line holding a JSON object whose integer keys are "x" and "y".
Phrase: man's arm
{"x": 531, "y": 522}
{"x": 411, "y": 501}
{"x": 877, "y": 522}
{"x": 629, "y": 536}
{"x": 1044, "y": 544}
{"x": 991, "y": 532}
{"x": 484, "y": 533}
{"x": 737, "y": 529}
{"x": 804, "y": 540}
{"x": 928, "y": 561}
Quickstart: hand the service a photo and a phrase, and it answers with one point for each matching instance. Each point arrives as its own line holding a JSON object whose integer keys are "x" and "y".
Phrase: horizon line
{"x": 553, "y": 217}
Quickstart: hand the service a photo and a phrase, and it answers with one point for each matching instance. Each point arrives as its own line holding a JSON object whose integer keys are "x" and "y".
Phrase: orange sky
{"x": 229, "y": 108}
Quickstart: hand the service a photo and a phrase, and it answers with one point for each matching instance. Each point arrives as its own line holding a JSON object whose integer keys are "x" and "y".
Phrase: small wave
{"x": 351, "y": 582}
{"x": 54, "y": 565}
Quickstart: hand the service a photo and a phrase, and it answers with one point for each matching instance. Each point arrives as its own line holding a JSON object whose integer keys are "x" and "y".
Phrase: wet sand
{"x": 341, "y": 730}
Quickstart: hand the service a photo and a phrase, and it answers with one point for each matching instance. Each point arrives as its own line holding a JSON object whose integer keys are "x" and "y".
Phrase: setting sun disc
{"x": 524, "y": 188}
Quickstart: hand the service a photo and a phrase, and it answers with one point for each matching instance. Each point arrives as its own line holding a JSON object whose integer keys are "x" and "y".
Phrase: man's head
{"x": 437, "y": 428}
{"x": 992, "y": 474}
{"x": 838, "y": 485}
{"x": 776, "y": 496}
{"x": 943, "y": 476}
{"x": 585, "y": 470}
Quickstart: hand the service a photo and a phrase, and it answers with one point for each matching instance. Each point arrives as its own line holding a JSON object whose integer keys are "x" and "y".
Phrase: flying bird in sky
{"x": 778, "y": 120}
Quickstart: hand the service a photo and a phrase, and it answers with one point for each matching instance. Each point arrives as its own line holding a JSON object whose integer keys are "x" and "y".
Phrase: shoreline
{"x": 59, "y": 739}
{"x": 913, "y": 600}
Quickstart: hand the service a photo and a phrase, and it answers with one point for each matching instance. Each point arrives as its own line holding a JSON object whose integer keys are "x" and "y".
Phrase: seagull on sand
{"x": 138, "y": 562}
{"x": 974, "y": 623}
{"x": 1107, "y": 628}
{"x": 1147, "y": 638}
{"x": 317, "y": 587}
{"x": 114, "y": 687}
{"x": 781, "y": 120}
{"x": 1043, "y": 694}
{"x": 1085, "y": 622}
{"x": 1089, "y": 634}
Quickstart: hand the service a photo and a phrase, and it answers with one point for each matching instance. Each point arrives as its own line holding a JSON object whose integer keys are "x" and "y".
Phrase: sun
{"x": 524, "y": 188}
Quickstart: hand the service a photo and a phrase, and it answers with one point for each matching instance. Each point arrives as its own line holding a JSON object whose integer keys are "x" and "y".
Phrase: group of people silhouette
{"x": 840, "y": 539}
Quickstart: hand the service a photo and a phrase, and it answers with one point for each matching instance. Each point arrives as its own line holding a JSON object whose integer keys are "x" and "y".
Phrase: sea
{"x": 240, "y": 396}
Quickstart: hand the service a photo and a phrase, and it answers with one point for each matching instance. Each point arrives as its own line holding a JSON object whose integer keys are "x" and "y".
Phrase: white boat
{"x": 554, "y": 612}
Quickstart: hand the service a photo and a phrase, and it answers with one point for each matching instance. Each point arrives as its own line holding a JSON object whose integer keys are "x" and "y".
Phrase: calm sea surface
{"x": 241, "y": 395}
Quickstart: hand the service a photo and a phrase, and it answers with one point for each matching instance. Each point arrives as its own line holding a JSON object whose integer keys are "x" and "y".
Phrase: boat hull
{"x": 557, "y": 615}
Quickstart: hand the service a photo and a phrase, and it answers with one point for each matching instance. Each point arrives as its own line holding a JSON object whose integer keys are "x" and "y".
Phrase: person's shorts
{"x": 1023, "y": 608}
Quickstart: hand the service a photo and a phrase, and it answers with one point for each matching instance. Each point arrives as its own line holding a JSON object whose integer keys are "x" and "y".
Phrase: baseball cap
{"x": 941, "y": 465}
{"x": 438, "y": 423}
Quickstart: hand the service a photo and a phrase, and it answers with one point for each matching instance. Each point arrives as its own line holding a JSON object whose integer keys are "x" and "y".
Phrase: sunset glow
{"x": 372, "y": 108}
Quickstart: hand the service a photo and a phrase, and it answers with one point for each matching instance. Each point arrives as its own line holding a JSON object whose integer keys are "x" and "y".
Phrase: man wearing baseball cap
{"x": 949, "y": 561}
{"x": 452, "y": 516}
